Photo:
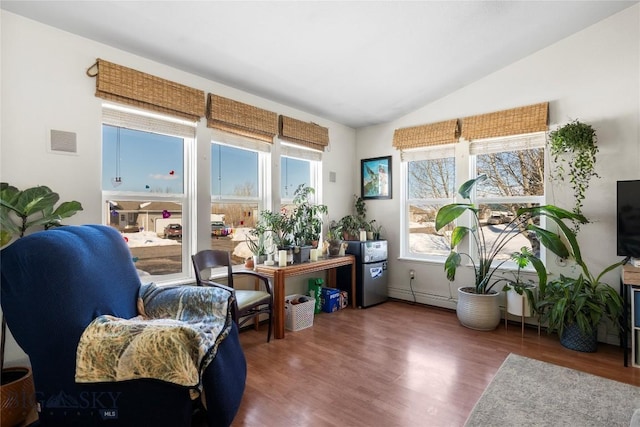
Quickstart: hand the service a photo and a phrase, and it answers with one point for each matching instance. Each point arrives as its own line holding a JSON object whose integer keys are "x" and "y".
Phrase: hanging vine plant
{"x": 573, "y": 149}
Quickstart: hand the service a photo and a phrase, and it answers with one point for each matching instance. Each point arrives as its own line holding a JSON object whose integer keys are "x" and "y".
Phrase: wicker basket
{"x": 298, "y": 316}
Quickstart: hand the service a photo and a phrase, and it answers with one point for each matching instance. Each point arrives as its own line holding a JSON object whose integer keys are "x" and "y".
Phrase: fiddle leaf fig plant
{"x": 574, "y": 146}
{"x": 21, "y": 210}
{"x": 33, "y": 207}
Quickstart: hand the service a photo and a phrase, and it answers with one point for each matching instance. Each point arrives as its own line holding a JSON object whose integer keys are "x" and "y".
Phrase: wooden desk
{"x": 279, "y": 274}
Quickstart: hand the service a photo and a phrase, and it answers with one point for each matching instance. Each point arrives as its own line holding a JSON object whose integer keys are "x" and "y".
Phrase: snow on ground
{"x": 147, "y": 238}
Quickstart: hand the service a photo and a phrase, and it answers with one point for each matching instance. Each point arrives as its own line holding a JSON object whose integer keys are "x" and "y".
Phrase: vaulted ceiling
{"x": 355, "y": 62}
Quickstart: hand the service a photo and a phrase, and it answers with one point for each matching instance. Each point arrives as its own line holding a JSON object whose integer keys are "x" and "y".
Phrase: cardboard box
{"x": 330, "y": 300}
{"x": 344, "y": 299}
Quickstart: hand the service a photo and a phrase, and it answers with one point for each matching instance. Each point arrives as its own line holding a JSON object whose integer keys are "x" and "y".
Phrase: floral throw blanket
{"x": 174, "y": 338}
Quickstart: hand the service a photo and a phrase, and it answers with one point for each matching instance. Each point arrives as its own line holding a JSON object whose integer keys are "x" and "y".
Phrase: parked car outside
{"x": 218, "y": 228}
{"x": 495, "y": 219}
{"x": 173, "y": 231}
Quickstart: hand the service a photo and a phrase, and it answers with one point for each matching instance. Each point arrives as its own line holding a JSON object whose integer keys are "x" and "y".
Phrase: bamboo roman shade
{"x": 516, "y": 121}
{"x": 302, "y": 133}
{"x": 241, "y": 119}
{"x": 128, "y": 86}
{"x": 445, "y": 132}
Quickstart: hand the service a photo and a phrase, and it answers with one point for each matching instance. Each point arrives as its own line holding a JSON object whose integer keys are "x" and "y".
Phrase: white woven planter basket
{"x": 478, "y": 311}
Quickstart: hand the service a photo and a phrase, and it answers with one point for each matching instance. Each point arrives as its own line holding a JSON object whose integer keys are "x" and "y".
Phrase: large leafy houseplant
{"x": 33, "y": 207}
{"x": 485, "y": 262}
{"x": 579, "y": 302}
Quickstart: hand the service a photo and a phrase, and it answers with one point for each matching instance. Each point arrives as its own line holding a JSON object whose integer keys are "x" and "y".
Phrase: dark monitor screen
{"x": 628, "y": 218}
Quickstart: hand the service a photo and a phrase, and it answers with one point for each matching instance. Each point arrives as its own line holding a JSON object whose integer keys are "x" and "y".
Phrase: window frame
{"x": 146, "y": 121}
{"x": 427, "y": 153}
{"x": 298, "y": 152}
{"x": 465, "y": 153}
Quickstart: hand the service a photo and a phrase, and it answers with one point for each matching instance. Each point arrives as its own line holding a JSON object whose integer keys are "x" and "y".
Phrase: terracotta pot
{"x": 17, "y": 396}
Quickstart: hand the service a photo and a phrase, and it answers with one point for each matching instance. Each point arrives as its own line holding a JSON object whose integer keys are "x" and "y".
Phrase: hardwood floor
{"x": 395, "y": 364}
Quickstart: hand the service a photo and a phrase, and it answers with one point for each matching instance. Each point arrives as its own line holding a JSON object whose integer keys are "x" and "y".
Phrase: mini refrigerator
{"x": 371, "y": 272}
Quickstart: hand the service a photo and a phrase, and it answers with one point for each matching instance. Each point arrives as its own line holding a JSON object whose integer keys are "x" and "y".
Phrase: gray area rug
{"x": 527, "y": 392}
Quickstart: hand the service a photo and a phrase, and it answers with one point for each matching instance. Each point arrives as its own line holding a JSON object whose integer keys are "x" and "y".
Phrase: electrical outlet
{"x": 412, "y": 274}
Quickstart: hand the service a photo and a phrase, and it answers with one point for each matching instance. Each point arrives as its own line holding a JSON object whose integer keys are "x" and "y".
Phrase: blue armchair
{"x": 53, "y": 285}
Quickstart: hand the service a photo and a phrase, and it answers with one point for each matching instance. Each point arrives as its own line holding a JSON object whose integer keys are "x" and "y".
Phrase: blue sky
{"x": 148, "y": 162}
{"x": 154, "y": 163}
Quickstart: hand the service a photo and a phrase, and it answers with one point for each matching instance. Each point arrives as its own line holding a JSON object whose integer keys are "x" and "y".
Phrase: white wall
{"x": 44, "y": 86}
{"x": 592, "y": 76}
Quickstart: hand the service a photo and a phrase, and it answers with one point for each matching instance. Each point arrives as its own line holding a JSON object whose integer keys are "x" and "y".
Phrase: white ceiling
{"x": 355, "y": 62}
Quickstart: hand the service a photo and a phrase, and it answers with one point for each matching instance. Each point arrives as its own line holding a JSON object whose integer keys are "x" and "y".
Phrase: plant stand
{"x": 518, "y": 305}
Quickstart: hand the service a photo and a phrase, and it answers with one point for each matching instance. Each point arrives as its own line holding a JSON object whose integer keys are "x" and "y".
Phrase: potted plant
{"x": 574, "y": 146}
{"x": 478, "y": 305}
{"x": 280, "y": 227}
{"x": 334, "y": 238}
{"x": 351, "y": 225}
{"x": 520, "y": 293}
{"x": 306, "y": 222}
{"x": 575, "y": 306}
{"x": 20, "y": 211}
{"x": 376, "y": 230}
{"x": 256, "y": 241}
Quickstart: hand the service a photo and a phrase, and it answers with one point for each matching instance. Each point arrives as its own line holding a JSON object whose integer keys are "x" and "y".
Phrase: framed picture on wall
{"x": 375, "y": 178}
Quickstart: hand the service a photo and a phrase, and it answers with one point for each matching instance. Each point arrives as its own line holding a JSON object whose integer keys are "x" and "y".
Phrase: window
{"x": 239, "y": 179}
{"x": 146, "y": 174}
{"x": 430, "y": 183}
{"x": 299, "y": 165}
{"x": 293, "y": 173}
{"x": 515, "y": 170}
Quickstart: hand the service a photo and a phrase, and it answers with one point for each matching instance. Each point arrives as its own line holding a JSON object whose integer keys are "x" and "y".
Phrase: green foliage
{"x": 583, "y": 300}
{"x": 300, "y": 226}
{"x": 483, "y": 262}
{"x": 280, "y": 226}
{"x": 352, "y": 224}
{"x": 334, "y": 231}
{"x": 257, "y": 241}
{"x": 33, "y": 207}
{"x": 306, "y": 216}
{"x": 574, "y": 146}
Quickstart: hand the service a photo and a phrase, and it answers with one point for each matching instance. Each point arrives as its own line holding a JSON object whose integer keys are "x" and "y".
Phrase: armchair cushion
{"x": 249, "y": 298}
{"x": 174, "y": 338}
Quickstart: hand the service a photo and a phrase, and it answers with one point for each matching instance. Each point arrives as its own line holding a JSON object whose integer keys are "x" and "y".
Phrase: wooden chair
{"x": 249, "y": 303}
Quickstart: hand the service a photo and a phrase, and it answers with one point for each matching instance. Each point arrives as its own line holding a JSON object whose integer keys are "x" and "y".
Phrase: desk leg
{"x": 278, "y": 304}
{"x": 353, "y": 285}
